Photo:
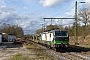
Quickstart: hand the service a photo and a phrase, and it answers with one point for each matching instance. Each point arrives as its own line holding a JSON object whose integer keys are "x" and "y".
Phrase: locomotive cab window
{"x": 64, "y": 33}
{"x": 60, "y": 33}
{"x": 57, "y": 33}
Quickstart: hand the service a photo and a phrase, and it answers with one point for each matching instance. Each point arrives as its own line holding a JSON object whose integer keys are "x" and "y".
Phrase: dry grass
{"x": 33, "y": 53}
{"x": 83, "y": 41}
{"x": 40, "y": 53}
{"x": 17, "y": 57}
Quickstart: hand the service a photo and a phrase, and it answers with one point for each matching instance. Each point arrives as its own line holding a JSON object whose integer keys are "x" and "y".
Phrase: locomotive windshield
{"x": 60, "y": 33}
{"x": 57, "y": 33}
{"x": 63, "y": 33}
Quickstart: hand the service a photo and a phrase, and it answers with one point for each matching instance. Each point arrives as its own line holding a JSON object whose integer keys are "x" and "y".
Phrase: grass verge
{"x": 40, "y": 53}
{"x": 17, "y": 57}
{"x": 35, "y": 53}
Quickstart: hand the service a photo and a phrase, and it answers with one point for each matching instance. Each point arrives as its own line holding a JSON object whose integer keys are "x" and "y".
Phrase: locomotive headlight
{"x": 66, "y": 45}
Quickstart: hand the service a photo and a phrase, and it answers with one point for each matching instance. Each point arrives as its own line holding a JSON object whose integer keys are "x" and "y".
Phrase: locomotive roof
{"x": 53, "y": 30}
{"x": 1, "y": 33}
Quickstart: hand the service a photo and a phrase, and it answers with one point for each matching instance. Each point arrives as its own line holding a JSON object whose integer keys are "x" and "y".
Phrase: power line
{"x": 57, "y": 18}
{"x": 66, "y": 8}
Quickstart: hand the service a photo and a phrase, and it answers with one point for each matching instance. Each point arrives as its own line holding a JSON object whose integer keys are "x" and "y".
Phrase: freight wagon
{"x": 55, "y": 38}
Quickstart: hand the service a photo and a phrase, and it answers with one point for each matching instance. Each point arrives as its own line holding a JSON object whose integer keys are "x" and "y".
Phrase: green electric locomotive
{"x": 55, "y": 38}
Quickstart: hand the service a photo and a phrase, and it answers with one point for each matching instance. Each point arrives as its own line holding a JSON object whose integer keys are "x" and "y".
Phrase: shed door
{"x": 0, "y": 38}
{"x": 4, "y": 38}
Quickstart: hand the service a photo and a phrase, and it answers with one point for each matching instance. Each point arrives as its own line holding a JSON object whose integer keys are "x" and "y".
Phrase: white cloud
{"x": 25, "y": 7}
{"x": 87, "y": 3}
{"x": 70, "y": 13}
{"x": 27, "y": 21}
{"x": 30, "y": 1}
{"x": 51, "y": 3}
{"x": 2, "y": 2}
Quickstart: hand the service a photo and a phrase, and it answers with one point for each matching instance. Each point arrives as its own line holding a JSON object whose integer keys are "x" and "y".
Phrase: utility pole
{"x": 51, "y": 21}
{"x": 76, "y": 42}
{"x": 42, "y": 27}
{"x": 76, "y": 23}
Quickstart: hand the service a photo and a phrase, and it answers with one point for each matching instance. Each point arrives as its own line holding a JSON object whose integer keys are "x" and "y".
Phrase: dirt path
{"x": 8, "y": 50}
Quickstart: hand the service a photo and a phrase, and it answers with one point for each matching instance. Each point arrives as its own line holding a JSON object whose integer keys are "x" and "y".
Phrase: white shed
{"x": 0, "y": 37}
{"x": 6, "y": 38}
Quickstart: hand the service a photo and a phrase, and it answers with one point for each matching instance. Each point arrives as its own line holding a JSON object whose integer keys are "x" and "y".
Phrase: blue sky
{"x": 29, "y": 14}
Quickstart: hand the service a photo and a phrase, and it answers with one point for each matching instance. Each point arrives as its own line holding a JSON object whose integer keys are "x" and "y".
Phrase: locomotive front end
{"x": 61, "y": 39}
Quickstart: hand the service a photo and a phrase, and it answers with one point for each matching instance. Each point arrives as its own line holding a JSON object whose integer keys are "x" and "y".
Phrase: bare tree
{"x": 84, "y": 16}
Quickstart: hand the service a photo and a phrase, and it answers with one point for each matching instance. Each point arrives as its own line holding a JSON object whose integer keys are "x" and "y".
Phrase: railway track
{"x": 74, "y": 54}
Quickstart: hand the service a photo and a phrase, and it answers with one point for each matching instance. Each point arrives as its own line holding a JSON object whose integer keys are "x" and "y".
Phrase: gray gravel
{"x": 8, "y": 50}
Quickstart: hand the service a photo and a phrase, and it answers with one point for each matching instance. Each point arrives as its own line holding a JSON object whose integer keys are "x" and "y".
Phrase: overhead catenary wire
{"x": 63, "y": 11}
{"x": 66, "y": 8}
